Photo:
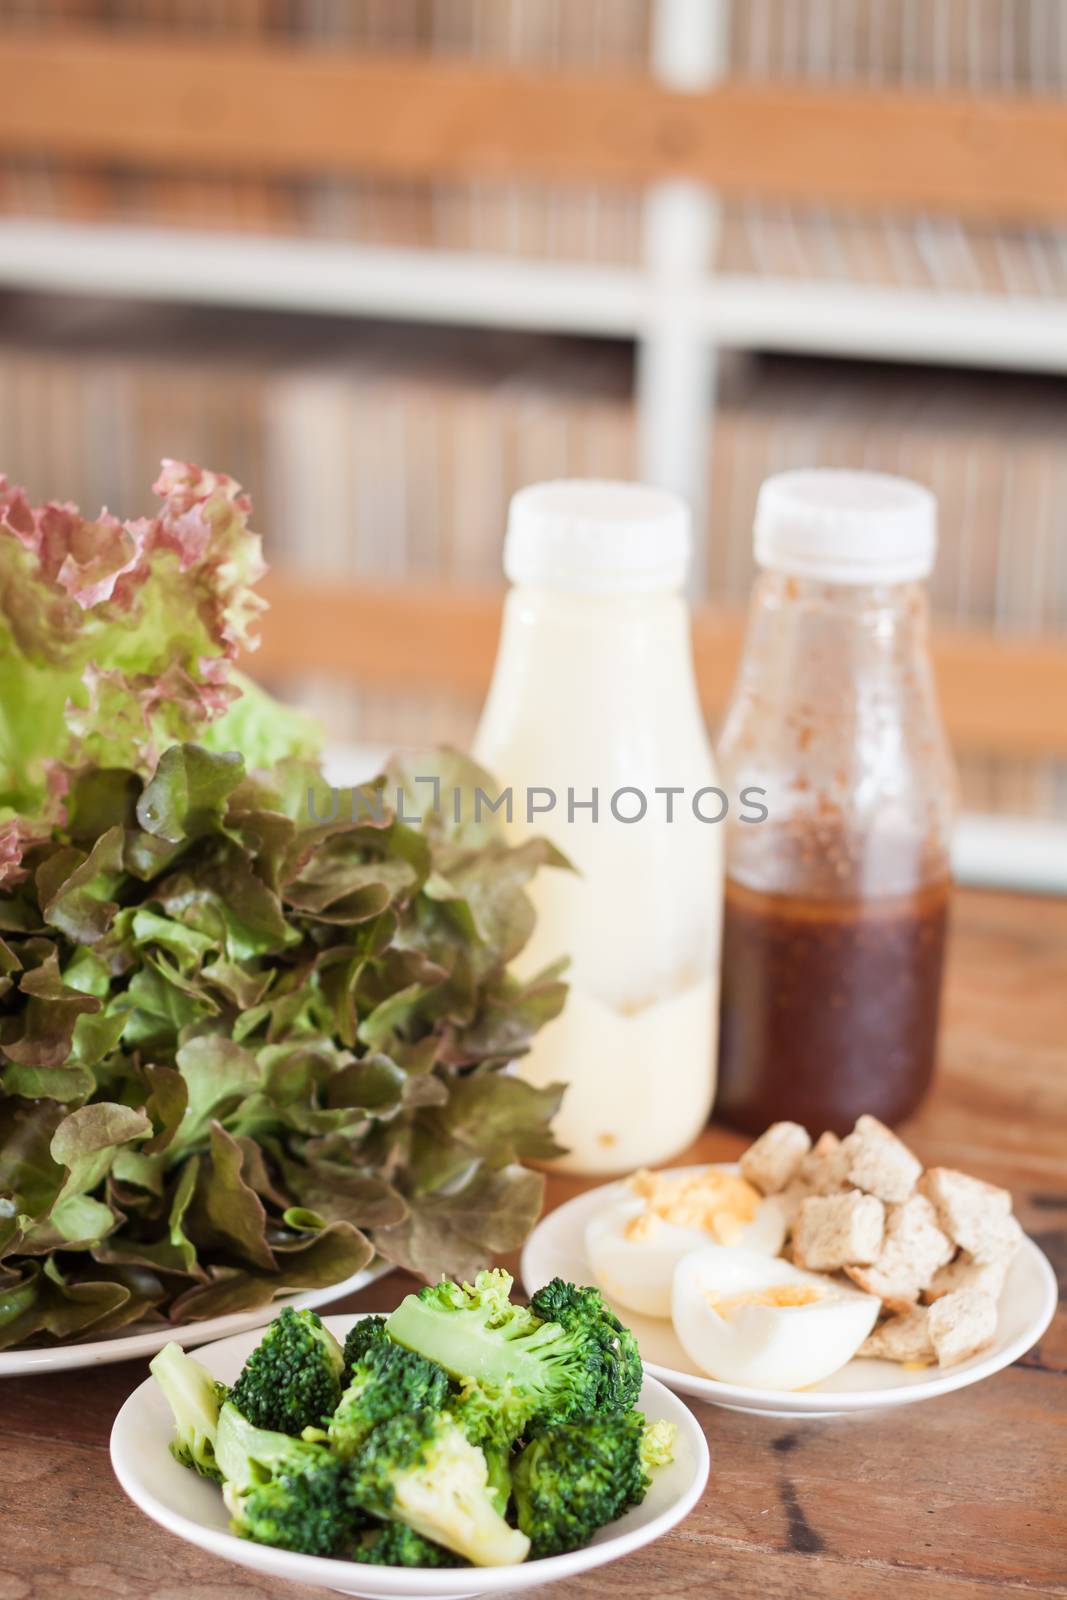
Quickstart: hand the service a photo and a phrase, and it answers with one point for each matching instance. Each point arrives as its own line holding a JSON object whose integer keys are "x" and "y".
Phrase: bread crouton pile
{"x": 933, "y": 1245}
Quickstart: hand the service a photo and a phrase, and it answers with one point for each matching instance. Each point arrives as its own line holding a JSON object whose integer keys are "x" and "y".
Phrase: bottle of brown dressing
{"x": 837, "y": 903}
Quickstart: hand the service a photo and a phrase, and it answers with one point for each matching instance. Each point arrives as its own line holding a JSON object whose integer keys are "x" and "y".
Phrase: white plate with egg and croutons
{"x": 765, "y": 1343}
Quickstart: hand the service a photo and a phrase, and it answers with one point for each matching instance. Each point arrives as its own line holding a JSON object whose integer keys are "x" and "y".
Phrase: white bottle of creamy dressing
{"x": 593, "y": 699}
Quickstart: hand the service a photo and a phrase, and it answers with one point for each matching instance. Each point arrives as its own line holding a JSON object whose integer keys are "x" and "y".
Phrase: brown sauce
{"x": 829, "y": 1007}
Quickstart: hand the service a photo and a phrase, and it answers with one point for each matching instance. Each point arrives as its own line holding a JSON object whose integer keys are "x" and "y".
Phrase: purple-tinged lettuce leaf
{"x": 231, "y": 1289}
{"x": 187, "y": 794}
{"x": 74, "y": 888}
{"x": 307, "y": 1261}
{"x": 511, "y": 1013}
{"x": 452, "y": 1233}
{"x": 341, "y": 1193}
{"x": 218, "y": 1076}
{"x": 172, "y": 1251}
{"x": 145, "y": 1292}
{"x": 30, "y": 1179}
{"x": 499, "y": 1119}
{"x": 87, "y": 1141}
{"x": 117, "y": 638}
{"x": 166, "y": 1105}
{"x": 257, "y": 1174}
{"x": 40, "y": 1035}
{"x": 225, "y": 1213}
{"x": 47, "y": 1302}
{"x": 272, "y": 1043}
{"x": 374, "y": 1084}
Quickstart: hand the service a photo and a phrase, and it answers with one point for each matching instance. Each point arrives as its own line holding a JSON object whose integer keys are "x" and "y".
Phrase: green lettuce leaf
{"x": 450, "y": 1234}
{"x": 264, "y": 730}
{"x": 117, "y": 640}
{"x": 243, "y": 1047}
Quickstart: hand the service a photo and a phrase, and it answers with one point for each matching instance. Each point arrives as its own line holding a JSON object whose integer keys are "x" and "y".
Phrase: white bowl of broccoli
{"x": 464, "y": 1444}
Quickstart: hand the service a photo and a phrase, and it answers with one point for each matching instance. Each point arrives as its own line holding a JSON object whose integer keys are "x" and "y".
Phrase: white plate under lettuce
{"x": 556, "y": 1248}
{"x": 125, "y": 1344}
{"x": 193, "y": 1508}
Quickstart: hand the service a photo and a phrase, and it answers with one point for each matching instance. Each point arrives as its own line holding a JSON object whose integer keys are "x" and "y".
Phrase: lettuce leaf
{"x": 117, "y": 640}
{"x": 245, "y": 1044}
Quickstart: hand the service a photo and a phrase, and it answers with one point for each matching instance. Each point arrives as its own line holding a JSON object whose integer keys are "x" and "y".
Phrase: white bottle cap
{"x": 592, "y": 536}
{"x": 846, "y": 527}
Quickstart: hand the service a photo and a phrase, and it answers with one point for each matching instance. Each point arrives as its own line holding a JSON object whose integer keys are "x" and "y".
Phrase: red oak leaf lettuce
{"x": 117, "y": 638}
{"x": 243, "y": 1048}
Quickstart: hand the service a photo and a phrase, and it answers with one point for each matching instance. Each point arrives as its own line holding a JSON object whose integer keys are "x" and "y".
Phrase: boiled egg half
{"x": 634, "y": 1244}
{"x": 765, "y": 1324}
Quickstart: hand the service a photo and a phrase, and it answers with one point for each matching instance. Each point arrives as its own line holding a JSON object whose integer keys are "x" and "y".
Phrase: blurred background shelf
{"x": 1026, "y": 333}
{"x": 385, "y": 260}
{"x": 318, "y": 277}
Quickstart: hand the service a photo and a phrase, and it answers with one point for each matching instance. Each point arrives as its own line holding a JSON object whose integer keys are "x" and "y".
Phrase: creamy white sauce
{"x": 599, "y": 691}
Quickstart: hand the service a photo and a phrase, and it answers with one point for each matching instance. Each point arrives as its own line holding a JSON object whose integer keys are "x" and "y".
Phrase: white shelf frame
{"x": 677, "y": 366}
{"x": 677, "y": 310}
{"x": 322, "y": 277}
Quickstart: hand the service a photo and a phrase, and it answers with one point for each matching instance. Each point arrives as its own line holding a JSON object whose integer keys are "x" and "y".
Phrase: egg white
{"x": 760, "y": 1346}
{"x": 639, "y": 1273}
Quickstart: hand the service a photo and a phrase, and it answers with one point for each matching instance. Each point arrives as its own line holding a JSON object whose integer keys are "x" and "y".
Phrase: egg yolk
{"x": 719, "y": 1203}
{"x": 776, "y": 1294}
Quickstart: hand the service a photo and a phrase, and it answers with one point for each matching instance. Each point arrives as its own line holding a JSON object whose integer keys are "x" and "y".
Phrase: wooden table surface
{"x": 964, "y": 1498}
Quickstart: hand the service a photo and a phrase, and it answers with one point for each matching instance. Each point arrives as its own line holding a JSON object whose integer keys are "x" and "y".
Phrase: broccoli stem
{"x": 193, "y": 1397}
{"x": 471, "y": 1526}
{"x": 461, "y": 1342}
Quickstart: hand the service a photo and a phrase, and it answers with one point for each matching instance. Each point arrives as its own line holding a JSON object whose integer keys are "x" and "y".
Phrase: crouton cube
{"x": 878, "y": 1162}
{"x": 967, "y": 1273}
{"x": 775, "y": 1156}
{"x": 838, "y": 1230}
{"x": 823, "y": 1170}
{"x": 975, "y": 1215}
{"x": 999, "y": 1241}
{"x": 901, "y": 1338}
{"x": 961, "y": 1324}
{"x": 913, "y": 1249}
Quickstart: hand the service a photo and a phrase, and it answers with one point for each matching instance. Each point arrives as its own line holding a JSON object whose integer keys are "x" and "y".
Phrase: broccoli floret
{"x": 576, "y": 1477}
{"x": 396, "y": 1545}
{"x": 360, "y": 1336}
{"x": 385, "y": 1381}
{"x": 194, "y": 1397}
{"x": 582, "y": 1312}
{"x": 306, "y": 1510}
{"x": 493, "y": 1422}
{"x": 292, "y": 1380}
{"x": 283, "y": 1491}
{"x": 248, "y": 1456}
{"x": 419, "y": 1468}
{"x": 556, "y": 1371}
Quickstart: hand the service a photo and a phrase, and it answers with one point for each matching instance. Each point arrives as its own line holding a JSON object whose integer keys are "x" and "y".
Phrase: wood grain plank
{"x": 960, "y": 1498}
{"x": 1003, "y": 694}
{"x": 92, "y": 96}
{"x": 70, "y": 1532}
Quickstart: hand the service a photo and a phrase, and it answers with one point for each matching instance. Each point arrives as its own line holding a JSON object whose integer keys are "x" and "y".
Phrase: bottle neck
{"x": 609, "y": 605}
{"x": 610, "y": 638}
{"x": 902, "y": 605}
{"x": 608, "y": 671}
